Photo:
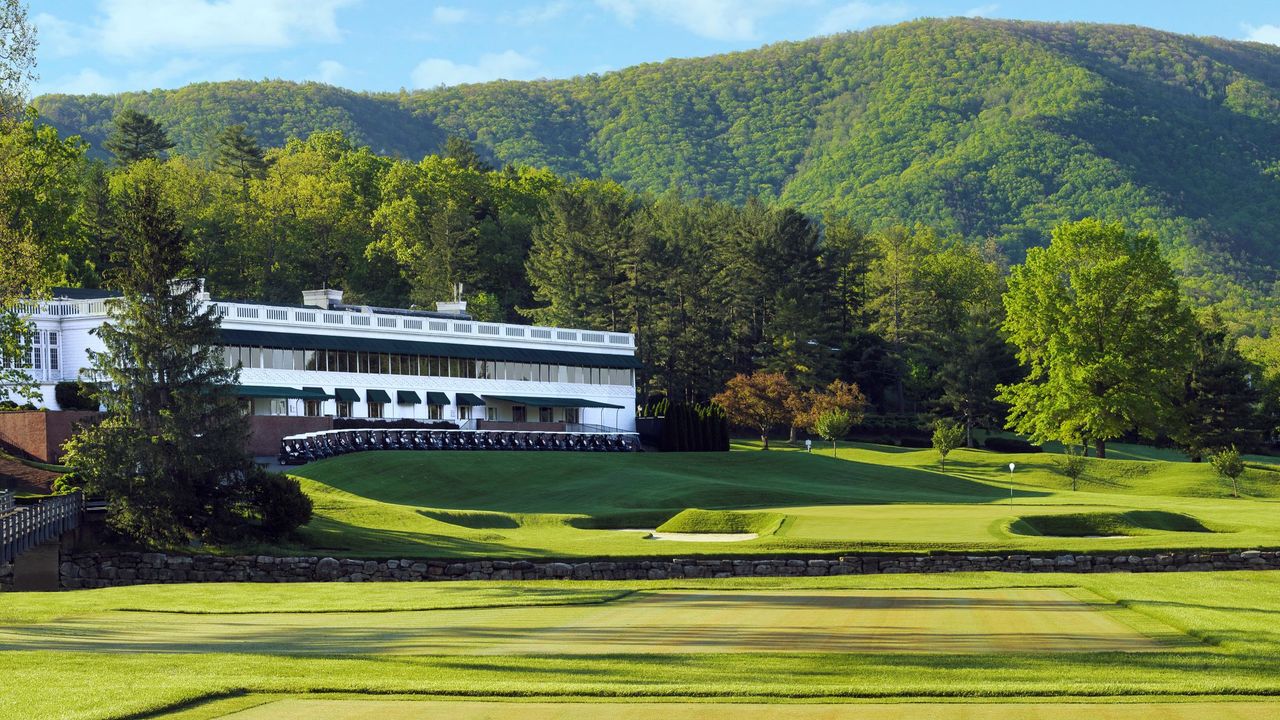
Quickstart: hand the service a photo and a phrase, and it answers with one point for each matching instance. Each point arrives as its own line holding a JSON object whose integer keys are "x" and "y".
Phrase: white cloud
{"x": 58, "y": 38}
{"x": 982, "y": 11}
{"x": 89, "y": 81}
{"x": 330, "y": 72}
{"x": 445, "y": 15}
{"x": 509, "y": 65}
{"x": 1269, "y": 34}
{"x": 856, "y": 15}
{"x": 715, "y": 19}
{"x": 136, "y": 27}
{"x": 535, "y": 14}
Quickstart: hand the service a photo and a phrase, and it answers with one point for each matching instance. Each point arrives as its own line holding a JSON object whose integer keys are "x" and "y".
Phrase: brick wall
{"x": 39, "y": 435}
{"x": 265, "y": 431}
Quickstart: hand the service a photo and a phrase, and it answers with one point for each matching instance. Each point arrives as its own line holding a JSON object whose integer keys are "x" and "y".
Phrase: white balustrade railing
{"x": 247, "y": 312}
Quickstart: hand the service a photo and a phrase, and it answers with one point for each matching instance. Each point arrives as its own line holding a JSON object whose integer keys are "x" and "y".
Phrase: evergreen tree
{"x": 136, "y": 136}
{"x": 170, "y": 455}
{"x": 1219, "y": 406}
{"x": 239, "y": 154}
{"x": 463, "y": 151}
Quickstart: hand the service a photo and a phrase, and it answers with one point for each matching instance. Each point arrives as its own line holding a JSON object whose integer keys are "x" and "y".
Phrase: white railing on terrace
{"x": 402, "y": 323}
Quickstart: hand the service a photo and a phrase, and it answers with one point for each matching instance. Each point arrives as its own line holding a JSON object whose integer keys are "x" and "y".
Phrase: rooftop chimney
{"x": 323, "y": 299}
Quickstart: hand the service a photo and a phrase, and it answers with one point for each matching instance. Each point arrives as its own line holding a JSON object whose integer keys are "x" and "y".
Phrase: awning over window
{"x": 377, "y": 396}
{"x": 270, "y": 391}
{"x": 299, "y": 341}
{"x": 407, "y": 397}
{"x": 346, "y": 395}
{"x": 469, "y": 399}
{"x": 437, "y": 398}
{"x": 554, "y": 402}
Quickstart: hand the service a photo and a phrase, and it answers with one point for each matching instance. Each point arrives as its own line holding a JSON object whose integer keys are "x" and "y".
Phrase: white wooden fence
{"x": 23, "y": 527}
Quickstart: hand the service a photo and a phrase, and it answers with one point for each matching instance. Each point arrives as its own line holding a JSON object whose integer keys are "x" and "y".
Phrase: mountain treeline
{"x": 987, "y": 129}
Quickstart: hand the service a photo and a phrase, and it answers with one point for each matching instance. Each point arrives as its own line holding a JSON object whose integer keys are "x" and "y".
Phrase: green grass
{"x": 694, "y": 520}
{"x": 1231, "y": 615}
{"x": 1107, "y": 524}
{"x": 568, "y": 505}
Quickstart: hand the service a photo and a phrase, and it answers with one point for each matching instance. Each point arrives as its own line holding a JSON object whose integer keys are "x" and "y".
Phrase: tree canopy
{"x": 1103, "y": 333}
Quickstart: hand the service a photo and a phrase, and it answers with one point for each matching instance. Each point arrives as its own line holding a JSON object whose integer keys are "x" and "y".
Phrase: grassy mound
{"x": 694, "y": 520}
{"x": 1136, "y": 522}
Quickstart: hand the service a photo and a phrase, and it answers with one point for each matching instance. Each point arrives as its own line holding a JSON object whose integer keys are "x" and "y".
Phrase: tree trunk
{"x": 764, "y": 439}
{"x": 791, "y": 439}
{"x": 1101, "y": 447}
{"x": 835, "y": 452}
{"x": 968, "y": 433}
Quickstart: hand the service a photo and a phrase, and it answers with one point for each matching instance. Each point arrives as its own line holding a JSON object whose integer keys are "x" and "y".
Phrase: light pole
{"x": 1011, "y": 467}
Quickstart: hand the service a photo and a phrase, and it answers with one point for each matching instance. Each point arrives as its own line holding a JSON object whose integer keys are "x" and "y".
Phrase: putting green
{"x": 1019, "y": 620}
{"x": 476, "y": 710}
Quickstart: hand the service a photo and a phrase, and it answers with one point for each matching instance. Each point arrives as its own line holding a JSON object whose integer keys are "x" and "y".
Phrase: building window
{"x": 545, "y": 415}
{"x": 313, "y": 408}
{"x": 344, "y": 409}
{"x": 464, "y": 412}
{"x": 435, "y": 412}
{"x": 572, "y": 415}
{"x": 491, "y": 413}
{"x": 279, "y": 406}
{"x": 375, "y": 410}
{"x": 518, "y": 413}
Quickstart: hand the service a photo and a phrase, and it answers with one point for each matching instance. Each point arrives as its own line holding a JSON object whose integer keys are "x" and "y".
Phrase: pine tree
{"x": 170, "y": 455}
{"x": 463, "y": 151}
{"x": 136, "y": 136}
{"x": 1220, "y": 405}
{"x": 239, "y": 154}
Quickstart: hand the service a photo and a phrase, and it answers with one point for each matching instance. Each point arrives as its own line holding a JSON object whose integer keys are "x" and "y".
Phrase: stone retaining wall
{"x": 94, "y": 570}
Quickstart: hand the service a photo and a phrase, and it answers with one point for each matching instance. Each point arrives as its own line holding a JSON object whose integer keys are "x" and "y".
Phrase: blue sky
{"x": 117, "y": 45}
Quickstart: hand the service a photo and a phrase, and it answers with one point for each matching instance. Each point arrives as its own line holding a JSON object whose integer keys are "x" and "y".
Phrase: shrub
{"x": 280, "y": 502}
{"x": 75, "y": 396}
{"x": 1010, "y": 445}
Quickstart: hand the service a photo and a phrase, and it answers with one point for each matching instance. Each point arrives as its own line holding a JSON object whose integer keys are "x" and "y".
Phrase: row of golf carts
{"x": 299, "y": 449}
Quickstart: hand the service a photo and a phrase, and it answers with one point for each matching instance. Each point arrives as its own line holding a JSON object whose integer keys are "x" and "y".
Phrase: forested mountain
{"x": 984, "y": 128}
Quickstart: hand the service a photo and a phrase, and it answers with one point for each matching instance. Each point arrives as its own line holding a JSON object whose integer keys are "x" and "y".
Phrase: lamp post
{"x": 1011, "y": 467}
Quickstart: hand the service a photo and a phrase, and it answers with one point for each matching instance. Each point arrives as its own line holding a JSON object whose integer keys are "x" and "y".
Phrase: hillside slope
{"x": 987, "y": 128}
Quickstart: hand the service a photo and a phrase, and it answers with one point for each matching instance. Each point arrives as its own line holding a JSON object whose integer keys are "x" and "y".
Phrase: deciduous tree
{"x": 947, "y": 436}
{"x": 1102, "y": 331}
{"x": 833, "y": 425}
{"x": 758, "y": 401}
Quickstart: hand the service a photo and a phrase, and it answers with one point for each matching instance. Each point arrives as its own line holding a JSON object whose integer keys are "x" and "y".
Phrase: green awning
{"x": 437, "y": 398}
{"x": 346, "y": 395}
{"x": 300, "y": 341}
{"x": 554, "y": 402}
{"x": 469, "y": 399}
{"x": 407, "y": 397}
{"x": 377, "y": 396}
{"x": 271, "y": 391}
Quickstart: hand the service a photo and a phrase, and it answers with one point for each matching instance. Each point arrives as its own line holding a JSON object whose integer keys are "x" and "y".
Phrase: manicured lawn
{"x": 347, "y": 709}
{"x": 466, "y": 504}
{"x": 1224, "y": 623}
